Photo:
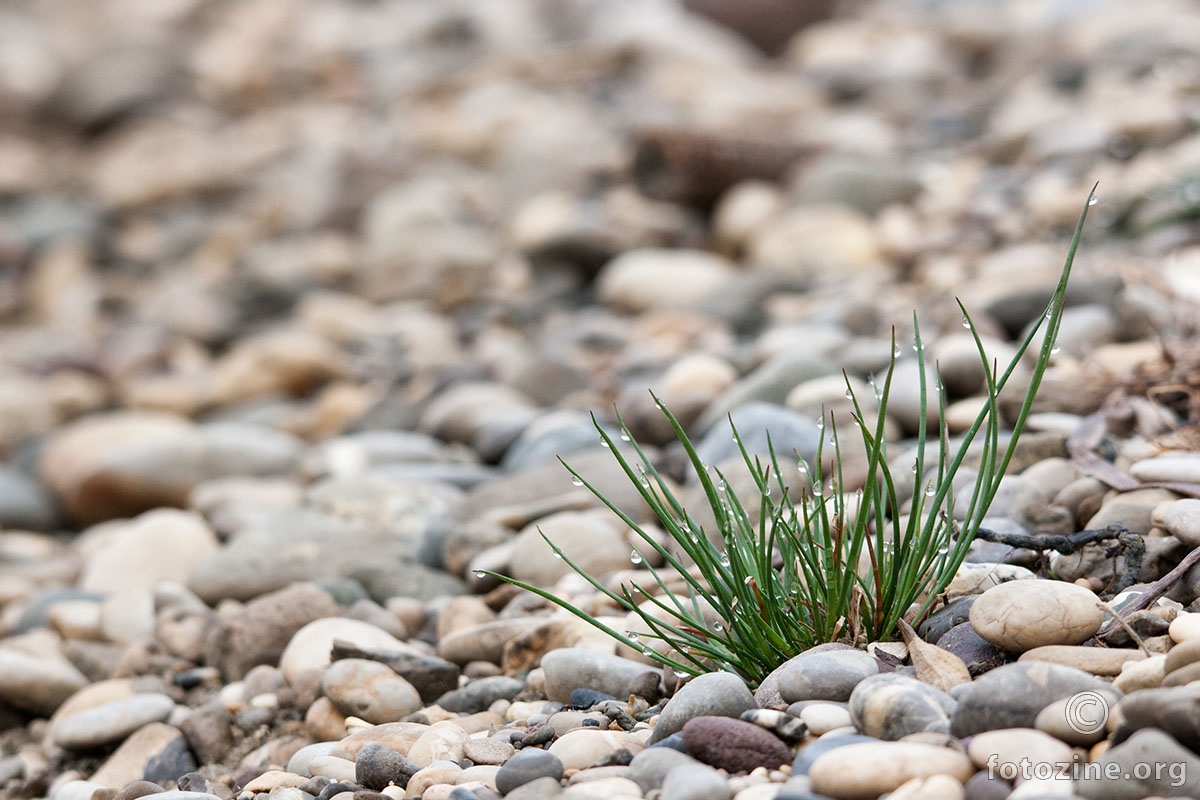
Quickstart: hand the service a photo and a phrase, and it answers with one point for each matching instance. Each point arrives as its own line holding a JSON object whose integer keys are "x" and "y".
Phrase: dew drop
{"x": 724, "y": 560}
{"x": 821, "y": 424}
{"x": 833, "y": 440}
{"x": 943, "y": 551}
{"x": 849, "y": 395}
{"x": 914, "y": 468}
{"x": 818, "y": 489}
{"x": 966, "y": 322}
{"x": 718, "y": 627}
{"x": 897, "y": 351}
{"x": 929, "y": 490}
{"x": 721, "y": 487}
{"x": 578, "y": 481}
{"x": 604, "y": 443}
{"x": 558, "y": 556}
{"x": 480, "y": 573}
{"x": 802, "y": 468}
{"x": 635, "y": 557}
{"x": 633, "y": 637}
{"x": 625, "y": 437}
{"x": 1092, "y": 200}
{"x": 646, "y": 651}
{"x": 680, "y": 675}
{"x": 1055, "y": 350}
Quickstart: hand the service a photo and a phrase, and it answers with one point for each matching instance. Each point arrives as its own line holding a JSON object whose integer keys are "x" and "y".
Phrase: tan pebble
{"x": 423, "y": 779}
{"x": 839, "y": 773}
{"x": 1146, "y": 674}
{"x": 488, "y": 751}
{"x": 480, "y": 774}
{"x": 935, "y": 787}
{"x": 1182, "y": 676}
{"x": 1182, "y": 654}
{"x": 1022, "y": 615}
{"x": 397, "y": 735}
{"x": 324, "y": 721}
{"x": 332, "y": 767}
{"x": 393, "y": 791}
{"x": 274, "y": 779}
{"x": 611, "y": 788}
{"x": 1056, "y": 720}
{"x": 824, "y": 717}
{"x": 443, "y": 741}
{"x": 1101, "y": 661}
{"x": 1184, "y": 627}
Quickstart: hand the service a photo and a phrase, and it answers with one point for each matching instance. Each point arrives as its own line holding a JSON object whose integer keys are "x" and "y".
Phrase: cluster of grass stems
{"x": 794, "y": 575}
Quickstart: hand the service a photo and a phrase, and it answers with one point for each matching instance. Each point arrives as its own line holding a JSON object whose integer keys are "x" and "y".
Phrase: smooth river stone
{"x": 582, "y": 748}
{"x": 35, "y": 683}
{"x": 111, "y": 722}
{"x": 1181, "y": 519}
{"x": 1022, "y": 615}
{"x": 310, "y": 648}
{"x": 571, "y": 668}
{"x": 866, "y": 770}
{"x": 369, "y": 690}
{"x": 1168, "y": 468}
{"x": 714, "y": 694}
{"x": 1104, "y": 661}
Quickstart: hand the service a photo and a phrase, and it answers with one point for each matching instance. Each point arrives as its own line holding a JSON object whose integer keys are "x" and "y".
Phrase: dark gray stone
{"x": 1175, "y": 709}
{"x": 173, "y": 762}
{"x": 526, "y": 766}
{"x": 1011, "y": 696}
{"x": 378, "y": 765}
{"x": 977, "y": 653}
{"x": 939, "y": 623}
{"x": 479, "y": 694}
{"x": 1148, "y": 764}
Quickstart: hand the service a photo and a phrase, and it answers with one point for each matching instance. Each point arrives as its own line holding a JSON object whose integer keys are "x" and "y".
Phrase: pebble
{"x": 892, "y": 706}
{"x": 821, "y": 718}
{"x": 36, "y": 683}
{"x": 369, "y": 690}
{"x": 1181, "y": 519}
{"x": 720, "y": 694}
{"x": 839, "y": 773}
{"x": 1105, "y": 662}
{"x": 825, "y": 676}
{"x": 1135, "y": 772}
{"x": 580, "y": 749}
{"x": 733, "y": 745}
{"x": 570, "y": 668}
{"x": 376, "y": 766}
{"x": 526, "y": 766}
{"x": 649, "y": 768}
{"x": 694, "y": 783}
{"x": 110, "y": 722}
{"x": 1022, "y": 615}
{"x": 309, "y": 648}
{"x": 1185, "y": 627}
{"x": 1012, "y": 696}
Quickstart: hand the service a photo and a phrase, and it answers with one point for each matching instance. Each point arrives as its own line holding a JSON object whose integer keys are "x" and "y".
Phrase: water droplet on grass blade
{"x": 724, "y": 560}
{"x": 966, "y": 322}
{"x": 625, "y": 437}
{"x": 578, "y": 481}
{"x": 1055, "y": 350}
{"x": 631, "y": 636}
{"x": 480, "y": 573}
{"x": 1092, "y": 200}
{"x": 558, "y": 556}
{"x": 718, "y": 627}
{"x": 635, "y": 557}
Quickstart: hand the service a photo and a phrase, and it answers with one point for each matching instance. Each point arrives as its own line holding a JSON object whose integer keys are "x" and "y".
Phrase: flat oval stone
{"x": 1022, "y": 615}
{"x": 1184, "y": 627}
{"x": 488, "y": 751}
{"x": 734, "y": 745}
{"x": 1011, "y": 745}
{"x": 1103, "y": 661}
{"x": 831, "y": 675}
{"x": 571, "y": 668}
{"x": 865, "y": 771}
{"x": 582, "y": 748}
{"x": 1181, "y": 519}
{"x": 112, "y": 721}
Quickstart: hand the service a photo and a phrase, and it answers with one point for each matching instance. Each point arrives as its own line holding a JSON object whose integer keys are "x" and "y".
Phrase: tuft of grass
{"x": 827, "y": 567}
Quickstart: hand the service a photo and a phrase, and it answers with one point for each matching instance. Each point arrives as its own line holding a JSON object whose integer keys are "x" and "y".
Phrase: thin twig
{"x": 1154, "y": 591}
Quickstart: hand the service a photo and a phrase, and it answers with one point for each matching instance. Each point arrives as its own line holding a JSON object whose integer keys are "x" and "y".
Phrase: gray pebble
{"x": 825, "y": 676}
{"x": 694, "y": 782}
{"x": 376, "y": 766}
{"x": 721, "y": 694}
{"x": 111, "y": 722}
{"x": 528, "y": 765}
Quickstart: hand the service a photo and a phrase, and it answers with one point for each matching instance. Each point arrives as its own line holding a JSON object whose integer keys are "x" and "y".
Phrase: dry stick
{"x": 1155, "y": 591}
